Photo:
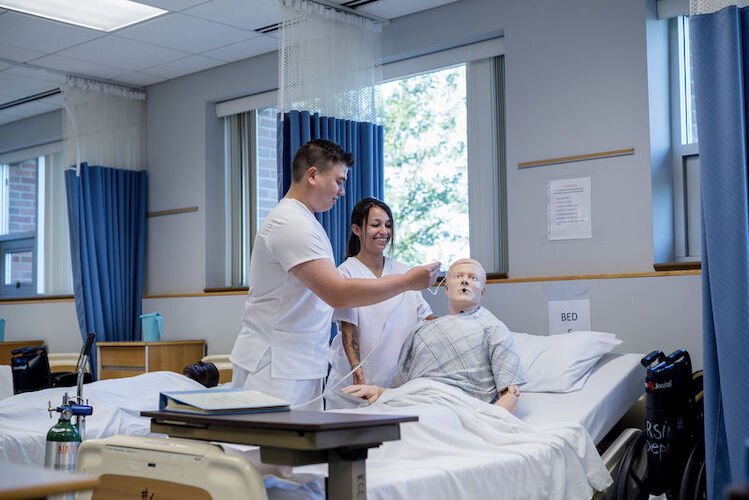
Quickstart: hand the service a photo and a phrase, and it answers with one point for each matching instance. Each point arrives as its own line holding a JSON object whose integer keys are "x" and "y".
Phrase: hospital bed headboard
{"x": 132, "y": 466}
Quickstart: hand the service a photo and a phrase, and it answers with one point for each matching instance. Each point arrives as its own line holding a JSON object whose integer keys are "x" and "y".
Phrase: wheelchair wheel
{"x": 693, "y": 486}
{"x": 629, "y": 483}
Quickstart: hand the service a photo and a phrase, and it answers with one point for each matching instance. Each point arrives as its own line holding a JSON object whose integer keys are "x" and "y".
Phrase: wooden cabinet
{"x": 7, "y": 347}
{"x": 126, "y": 359}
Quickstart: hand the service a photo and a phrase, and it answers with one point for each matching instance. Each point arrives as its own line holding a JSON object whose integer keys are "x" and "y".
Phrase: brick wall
{"x": 22, "y": 197}
{"x": 22, "y": 180}
{"x": 266, "y": 162}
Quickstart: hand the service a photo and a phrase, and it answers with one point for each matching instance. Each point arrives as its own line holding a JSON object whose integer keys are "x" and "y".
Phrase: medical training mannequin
{"x": 294, "y": 285}
{"x": 384, "y": 325}
{"x": 468, "y": 348}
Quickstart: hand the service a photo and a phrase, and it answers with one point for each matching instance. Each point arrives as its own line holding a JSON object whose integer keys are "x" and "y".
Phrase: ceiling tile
{"x": 20, "y": 86}
{"x": 246, "y": 14}
{"x": 38, "y": 73}
{"x": 183, "y": 32}
{"x": 78, "y": 67}
{"x": 243, "y": 50}
{"x": 122, "y": 53}
{"x": 36, "y": 107}
{"x": 173, "y": 5}
{"x": 191, "y": 64}
{"x": 18, "y": 54}
{"x": 138, "y": 79}
{"x": 43, "y": 35}
{"x": 390, "y": 9}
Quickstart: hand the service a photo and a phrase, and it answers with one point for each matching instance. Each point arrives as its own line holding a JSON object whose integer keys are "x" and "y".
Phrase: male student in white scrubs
{"x": 294, "y": 285}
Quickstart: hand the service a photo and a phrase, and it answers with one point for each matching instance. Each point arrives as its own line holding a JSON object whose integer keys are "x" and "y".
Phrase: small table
{"x": 296, "y": 437}
{"x": 29, "y": 481}
{"x": 127, "y": 359}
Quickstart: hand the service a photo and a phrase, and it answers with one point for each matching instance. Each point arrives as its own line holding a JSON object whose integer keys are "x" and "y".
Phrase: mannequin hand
{"x": 369, "y": 392}
{"x": 509, "y": 400}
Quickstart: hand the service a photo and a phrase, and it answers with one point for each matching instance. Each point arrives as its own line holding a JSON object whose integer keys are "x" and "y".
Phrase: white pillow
{"x": 560, "y": 363}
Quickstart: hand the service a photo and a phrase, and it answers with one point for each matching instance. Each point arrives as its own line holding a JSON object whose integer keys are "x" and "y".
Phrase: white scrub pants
{"x": 291, "y": 390}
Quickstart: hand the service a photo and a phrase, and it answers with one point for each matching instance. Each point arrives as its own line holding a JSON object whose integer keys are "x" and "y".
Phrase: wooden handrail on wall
{"x": 173, "y": 211}
{"x": 568, "y": 159}
{"x": 500, "y": 278}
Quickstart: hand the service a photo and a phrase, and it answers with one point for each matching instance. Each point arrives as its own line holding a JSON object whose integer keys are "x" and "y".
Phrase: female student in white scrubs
{"x": 382, "y": 326}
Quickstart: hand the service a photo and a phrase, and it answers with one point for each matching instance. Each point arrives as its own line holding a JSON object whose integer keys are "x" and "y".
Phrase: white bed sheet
{"x": 617, "y": 381}
{"x": 24, "y": 420}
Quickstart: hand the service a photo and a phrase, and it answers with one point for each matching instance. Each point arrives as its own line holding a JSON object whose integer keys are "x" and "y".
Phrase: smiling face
{"x": 328, "y": 185}
{"x": 376, "y": 233}
{"x": 464, "y": 285}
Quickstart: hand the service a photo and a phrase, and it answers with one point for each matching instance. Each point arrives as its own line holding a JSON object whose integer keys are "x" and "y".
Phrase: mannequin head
{"x": 464, "y": 285}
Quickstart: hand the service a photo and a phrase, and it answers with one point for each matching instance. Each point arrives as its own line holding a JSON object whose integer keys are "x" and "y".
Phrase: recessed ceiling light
{"x": 103, "y": 15}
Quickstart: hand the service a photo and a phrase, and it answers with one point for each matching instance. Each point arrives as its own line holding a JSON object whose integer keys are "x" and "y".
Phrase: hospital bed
{"x": 614, "y": 386}
{"x": 422, "y": 466}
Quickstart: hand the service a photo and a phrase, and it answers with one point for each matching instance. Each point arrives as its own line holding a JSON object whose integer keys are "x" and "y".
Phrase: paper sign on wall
{"x": 569, "y": 316}
{"x": 569, "y": 209}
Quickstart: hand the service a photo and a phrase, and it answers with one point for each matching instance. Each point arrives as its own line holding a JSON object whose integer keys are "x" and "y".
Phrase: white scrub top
{"x": 384, "y": 326}
{"x": 281, "y": 313}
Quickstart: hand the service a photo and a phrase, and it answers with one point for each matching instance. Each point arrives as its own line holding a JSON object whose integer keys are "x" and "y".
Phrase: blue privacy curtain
{"x": 364, "y": 140}
{"x": 107, "y": 214}
{"x": 720, "y": 48}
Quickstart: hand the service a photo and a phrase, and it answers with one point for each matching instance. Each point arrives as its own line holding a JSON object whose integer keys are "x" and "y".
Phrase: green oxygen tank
{"x": 63, "y": 440}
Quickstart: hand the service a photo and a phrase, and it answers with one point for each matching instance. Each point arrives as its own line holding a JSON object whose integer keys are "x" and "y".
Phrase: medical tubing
{"x": 437, "y": 288}
{"x": 361, "y": 363}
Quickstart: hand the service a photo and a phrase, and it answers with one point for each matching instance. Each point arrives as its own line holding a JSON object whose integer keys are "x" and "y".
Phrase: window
{"x": 686, "y": 161}
{"x": 34, "y": 240}
{"x": 426, "y": 162}
{"x": 18, "y": 217}
{"x": 433, "y": 191}
{"x": 251, "y": 185}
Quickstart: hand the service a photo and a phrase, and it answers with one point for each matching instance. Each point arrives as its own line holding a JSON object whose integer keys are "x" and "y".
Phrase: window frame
{"x": 20, "y": 240}
{"x": 486, "y": 142}
{"x": 684, "y": 155}
{"x": 241, "y": 189}
{"x": 486, "y": 146}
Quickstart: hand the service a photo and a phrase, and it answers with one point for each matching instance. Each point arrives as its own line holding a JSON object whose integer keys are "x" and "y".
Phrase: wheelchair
{"x": 668, "y": 457}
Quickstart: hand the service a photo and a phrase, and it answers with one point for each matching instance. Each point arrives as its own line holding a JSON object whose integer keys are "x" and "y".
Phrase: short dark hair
{"x": 204, "y": 372}
{"x": 321, "y": 153}
{"x": 360, "y": 216}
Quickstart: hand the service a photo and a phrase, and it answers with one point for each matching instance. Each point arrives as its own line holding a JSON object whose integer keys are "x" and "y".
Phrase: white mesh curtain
{"x": 329, "y": 62}
{"x": 104, "y": 125}
{"x": 710, "y": 6}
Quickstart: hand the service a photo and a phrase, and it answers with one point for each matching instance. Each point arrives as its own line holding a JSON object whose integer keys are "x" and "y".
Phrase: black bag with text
{"x": 30, "y": 369}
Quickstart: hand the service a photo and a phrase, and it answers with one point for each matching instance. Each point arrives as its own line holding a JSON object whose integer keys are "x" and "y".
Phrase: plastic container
{"x": 152, "y": 324}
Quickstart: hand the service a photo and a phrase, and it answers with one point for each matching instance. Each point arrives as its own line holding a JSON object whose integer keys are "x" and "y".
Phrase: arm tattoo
{"x": 351, "y": 342}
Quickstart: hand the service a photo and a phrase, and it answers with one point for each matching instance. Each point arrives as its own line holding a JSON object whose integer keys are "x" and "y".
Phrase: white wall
{"x": 577, "y": 82}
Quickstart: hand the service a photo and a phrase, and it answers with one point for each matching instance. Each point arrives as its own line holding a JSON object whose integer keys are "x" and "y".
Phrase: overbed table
{"x": 296, "y": 437}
